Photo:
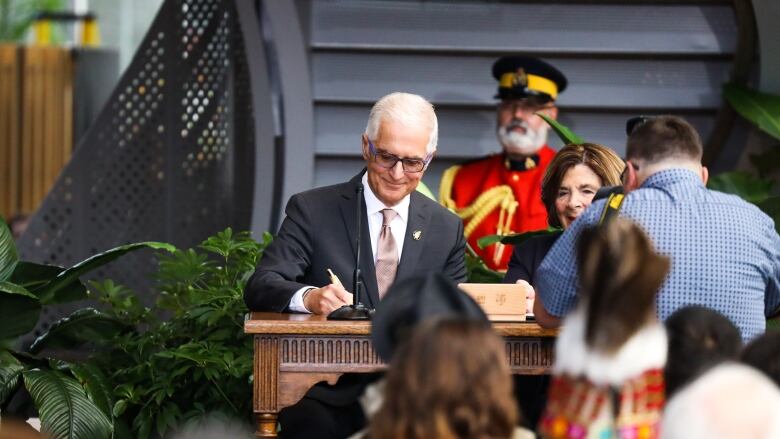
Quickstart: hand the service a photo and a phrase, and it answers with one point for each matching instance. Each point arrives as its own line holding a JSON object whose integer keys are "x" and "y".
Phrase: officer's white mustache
{"x": 517, "y": 123}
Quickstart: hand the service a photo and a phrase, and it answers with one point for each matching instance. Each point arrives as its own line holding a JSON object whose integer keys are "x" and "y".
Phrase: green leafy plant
{"x": 196, "y": 360}
{"x": 16, "y": 16}
{"x": 761, "y": 109}
{"x": 478, "y": 272}
{"x": 68, "y": 397}
{"x": 514, "y": 238}
{"x": 567, "y": 136}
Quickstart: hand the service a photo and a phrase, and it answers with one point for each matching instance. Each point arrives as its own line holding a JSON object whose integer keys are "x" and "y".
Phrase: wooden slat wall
{"x": 622, "y": 58}
{"x": 36, "y": 123}
{"x": 9, "y": 129}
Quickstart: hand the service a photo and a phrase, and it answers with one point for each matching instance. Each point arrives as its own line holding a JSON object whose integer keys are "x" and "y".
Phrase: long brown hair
{"x": 449, "y": 380}
{"x": 620, "y": 274}
{"x": 600, "y": 159}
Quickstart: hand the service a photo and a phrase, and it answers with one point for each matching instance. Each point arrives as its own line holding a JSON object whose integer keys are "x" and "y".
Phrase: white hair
{"x": 409, "y": 110}
{"x": 729, "y": 401}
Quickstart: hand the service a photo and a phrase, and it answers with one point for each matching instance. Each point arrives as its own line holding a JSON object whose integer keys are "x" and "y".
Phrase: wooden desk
{"x": 295, "y": 351}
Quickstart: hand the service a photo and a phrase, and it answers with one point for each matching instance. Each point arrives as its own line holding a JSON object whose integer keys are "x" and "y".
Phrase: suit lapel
{"x": 414, "y": 240}
{"x": 370, "y": 291}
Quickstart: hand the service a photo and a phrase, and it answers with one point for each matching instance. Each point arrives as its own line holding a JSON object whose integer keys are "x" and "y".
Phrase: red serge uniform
{"x": 494, "y": 199}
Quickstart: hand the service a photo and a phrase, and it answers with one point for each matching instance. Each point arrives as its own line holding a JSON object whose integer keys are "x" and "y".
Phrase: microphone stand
{"x": 356, "y": 311}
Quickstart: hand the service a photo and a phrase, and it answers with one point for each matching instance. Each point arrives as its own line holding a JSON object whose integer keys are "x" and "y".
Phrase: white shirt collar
{"x": 373, "y": 205}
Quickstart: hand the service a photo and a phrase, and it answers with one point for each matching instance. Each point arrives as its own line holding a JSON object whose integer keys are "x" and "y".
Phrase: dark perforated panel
{"x": 163, "y": 160}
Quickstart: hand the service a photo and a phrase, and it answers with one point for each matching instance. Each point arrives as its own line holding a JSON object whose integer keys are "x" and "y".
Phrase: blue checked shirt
{"x": 725, "y": 252}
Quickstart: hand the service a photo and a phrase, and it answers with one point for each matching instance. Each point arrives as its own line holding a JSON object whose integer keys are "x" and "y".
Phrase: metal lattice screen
{"x": 164, "y": 159}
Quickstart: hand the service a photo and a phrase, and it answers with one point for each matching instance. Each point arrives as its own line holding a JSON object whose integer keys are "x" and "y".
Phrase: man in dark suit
{"x": 404, "y": 234}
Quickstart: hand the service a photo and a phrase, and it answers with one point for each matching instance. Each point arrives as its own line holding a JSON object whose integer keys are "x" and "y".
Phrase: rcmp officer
{"x": 501, "y": 193}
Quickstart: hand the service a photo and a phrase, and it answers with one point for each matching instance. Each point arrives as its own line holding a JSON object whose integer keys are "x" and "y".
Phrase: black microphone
{"x": 356, "y": 282}
{"x": 356, "y": 311}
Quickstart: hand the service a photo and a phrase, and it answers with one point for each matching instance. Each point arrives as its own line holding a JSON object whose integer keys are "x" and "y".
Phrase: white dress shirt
{"x": 374, "y": 214}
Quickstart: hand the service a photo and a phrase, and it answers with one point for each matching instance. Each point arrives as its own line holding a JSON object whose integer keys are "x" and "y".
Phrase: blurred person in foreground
{"x": 569, "y": 185}
{"x": 499, "y": 194}
{"x": 763, "y": 353}
{"x": 609, "y": 357}
{"x": 449, "y": 380}
{"x": 699, "y": 339}
{"x": 725, "y": 252}
{"x": 448, "y": 375}
{"x": 729, "y": 401}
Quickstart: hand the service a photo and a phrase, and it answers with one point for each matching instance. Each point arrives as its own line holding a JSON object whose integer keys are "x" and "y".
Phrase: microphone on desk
{"x": 356, "y": 311}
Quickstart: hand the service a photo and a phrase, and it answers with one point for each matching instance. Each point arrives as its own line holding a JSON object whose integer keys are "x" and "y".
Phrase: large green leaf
{"x": 477, "y": 271}
{"x": 8, "y": 256}
{"x": 566, "y": 135}
{"x": 743, "y": 184}
{"x": 19, "y": 310}
{"x": 64, "y": 408}
{"x": 49, "y": 292}
{"x": 761, "y": 109}
{"x": 10, "y": 371}
{"x": 86, "y": 325}
{"x": 513, "y": 239}
{"x": 423, "y": 189}
{"x": 96, "y": 385}
{"x": 35, "y": 276}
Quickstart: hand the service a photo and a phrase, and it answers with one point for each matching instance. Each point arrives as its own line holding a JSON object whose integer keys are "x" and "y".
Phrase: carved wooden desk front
{"x": 295, "y": 351}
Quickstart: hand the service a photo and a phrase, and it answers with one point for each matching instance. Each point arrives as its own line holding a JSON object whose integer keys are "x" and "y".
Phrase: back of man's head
{"x": 661, "y": 138}
{"x": 729, "y": 401}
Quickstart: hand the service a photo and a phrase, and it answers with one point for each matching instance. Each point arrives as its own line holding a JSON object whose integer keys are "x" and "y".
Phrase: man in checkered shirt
{"x": 725, "y": 252}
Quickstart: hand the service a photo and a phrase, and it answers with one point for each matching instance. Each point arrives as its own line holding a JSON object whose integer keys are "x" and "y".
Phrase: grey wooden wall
{"x": 622, "y": 58}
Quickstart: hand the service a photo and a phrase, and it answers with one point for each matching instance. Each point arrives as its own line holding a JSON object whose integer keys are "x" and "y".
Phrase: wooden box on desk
{"x": 501, "y": 302}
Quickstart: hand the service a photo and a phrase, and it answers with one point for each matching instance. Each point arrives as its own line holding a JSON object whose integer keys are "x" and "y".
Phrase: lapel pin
{"x": 417, "y": 235}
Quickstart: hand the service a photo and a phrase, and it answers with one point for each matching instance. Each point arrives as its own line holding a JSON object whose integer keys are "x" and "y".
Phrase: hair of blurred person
{"x": 573, "y": 177}
{"x": 763, "y": 353}
{"x": 449, "y": 380}
{"x": 699, "y": 339}
{"x": 729, "y": 401}
{"x": 614, "y": 258}
{"x": 409, "y": 110}
{"x": 213, "y": 426}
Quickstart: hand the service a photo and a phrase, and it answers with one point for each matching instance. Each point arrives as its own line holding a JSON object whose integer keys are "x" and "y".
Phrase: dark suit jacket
{"x": 319, "y": 233}
{"x": 527, "y": 257}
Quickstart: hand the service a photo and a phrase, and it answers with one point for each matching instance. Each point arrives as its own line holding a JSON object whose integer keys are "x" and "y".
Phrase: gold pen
{"x": 334, "y": 279}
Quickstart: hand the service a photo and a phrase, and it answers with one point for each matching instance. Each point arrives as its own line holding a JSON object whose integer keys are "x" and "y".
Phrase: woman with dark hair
{"x": 449, "y": 380}
{"x": 572, "y": 179}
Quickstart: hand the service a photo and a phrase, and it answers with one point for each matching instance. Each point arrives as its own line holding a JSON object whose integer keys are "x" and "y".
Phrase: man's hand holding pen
{"x": 328, "y": 298}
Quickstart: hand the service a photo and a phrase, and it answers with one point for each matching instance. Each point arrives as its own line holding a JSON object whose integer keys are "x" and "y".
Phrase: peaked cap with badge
{"x": 496, "y": 195}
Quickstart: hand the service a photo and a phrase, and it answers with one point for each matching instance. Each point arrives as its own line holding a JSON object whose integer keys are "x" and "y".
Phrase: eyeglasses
{"x": 387, "y": 160}
{"x": 636, "y": 122}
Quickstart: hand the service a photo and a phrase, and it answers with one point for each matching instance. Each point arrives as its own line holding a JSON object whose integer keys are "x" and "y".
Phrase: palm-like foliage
{"x": 72, "y": 400}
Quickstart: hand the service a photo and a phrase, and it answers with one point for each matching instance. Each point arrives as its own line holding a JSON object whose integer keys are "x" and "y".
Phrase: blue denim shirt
{"x": 725, "y": 252}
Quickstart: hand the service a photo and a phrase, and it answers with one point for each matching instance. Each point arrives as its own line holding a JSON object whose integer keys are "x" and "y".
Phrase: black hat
{"x": 523, "y": 76}
{"x": 411, "y": 301}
